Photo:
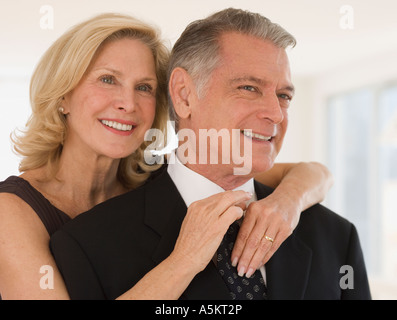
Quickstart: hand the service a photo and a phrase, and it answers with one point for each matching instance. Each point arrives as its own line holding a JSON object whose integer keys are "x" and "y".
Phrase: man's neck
{"x": 216, "y": 173}
{"x": 194, "y": 186}
{"x": 220, "y": 174}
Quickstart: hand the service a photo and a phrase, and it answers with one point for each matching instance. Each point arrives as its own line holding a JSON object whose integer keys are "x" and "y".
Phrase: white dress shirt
{"x": 193, "y": 186}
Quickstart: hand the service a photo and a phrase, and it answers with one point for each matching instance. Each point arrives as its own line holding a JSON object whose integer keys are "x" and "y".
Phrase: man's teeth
{"x": 258, "y": 136}
{"x": 117, "y": 125}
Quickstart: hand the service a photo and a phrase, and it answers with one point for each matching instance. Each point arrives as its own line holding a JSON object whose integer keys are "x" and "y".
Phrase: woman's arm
{"x": 27, "y": 268}
{"x": 306, "y": 182}
{"x": 298, "y": 186}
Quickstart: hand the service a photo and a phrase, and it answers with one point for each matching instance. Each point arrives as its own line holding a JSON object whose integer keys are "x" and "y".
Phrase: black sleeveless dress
{"x": 51, "y": 217}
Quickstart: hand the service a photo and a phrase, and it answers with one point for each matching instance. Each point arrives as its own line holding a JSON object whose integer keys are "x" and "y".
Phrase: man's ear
{"x": 181, "y": 90}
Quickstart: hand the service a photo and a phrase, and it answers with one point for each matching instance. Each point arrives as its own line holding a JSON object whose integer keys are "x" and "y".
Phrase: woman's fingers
{"x": 262, "y": 232}
{"x": 205, "y": 224}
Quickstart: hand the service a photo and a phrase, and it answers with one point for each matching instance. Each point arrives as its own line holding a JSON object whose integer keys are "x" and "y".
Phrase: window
{"x": 362, "y": 155}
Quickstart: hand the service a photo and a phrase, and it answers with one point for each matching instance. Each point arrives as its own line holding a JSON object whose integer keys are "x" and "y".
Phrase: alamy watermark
{"x": 204, "y": 148}
{"x": 347, "y": 280}
{"x": 47, "y": 280}
{"x": 346, "y": 20}
{"x": 47, "y": 17}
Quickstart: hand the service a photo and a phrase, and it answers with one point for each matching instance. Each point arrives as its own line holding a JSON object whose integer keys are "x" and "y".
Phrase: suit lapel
{"x": 287, "y": 272}
{"x": 164, "y": 213}
{"x": 207, "y": 285}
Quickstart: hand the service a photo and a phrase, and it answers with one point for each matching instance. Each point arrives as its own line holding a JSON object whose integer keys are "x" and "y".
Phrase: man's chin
{"x": 262, "y": 166}
{"x": 252, "y": 169}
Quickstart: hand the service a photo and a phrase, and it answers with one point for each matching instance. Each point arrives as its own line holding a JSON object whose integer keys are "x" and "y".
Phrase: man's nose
{"x": 270, "y": 109}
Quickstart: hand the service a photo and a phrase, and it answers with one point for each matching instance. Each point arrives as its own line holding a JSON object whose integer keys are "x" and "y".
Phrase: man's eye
{"x": 108, "y": 79}
{"x": 248, "y": 88}
{"x": 285, "y": 97}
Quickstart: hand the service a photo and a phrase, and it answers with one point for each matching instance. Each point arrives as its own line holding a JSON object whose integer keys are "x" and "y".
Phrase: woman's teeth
{"x": 252, "y": 135}
{"x": 117, "y": 125}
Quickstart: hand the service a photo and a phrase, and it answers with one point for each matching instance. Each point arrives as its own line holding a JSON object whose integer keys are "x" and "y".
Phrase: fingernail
{"x": 241, "y": 271}
{"x": 234, "y": 262}
{"x": 250, "y": 272}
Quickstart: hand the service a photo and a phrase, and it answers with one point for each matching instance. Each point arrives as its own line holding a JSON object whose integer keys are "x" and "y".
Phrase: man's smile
{"x": 256, "y": 136}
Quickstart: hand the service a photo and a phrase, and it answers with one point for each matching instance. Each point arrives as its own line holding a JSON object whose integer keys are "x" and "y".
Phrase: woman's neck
{"x": 80, "y": 183}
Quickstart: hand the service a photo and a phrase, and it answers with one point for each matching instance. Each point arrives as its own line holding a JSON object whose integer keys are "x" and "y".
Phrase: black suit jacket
{"x": 104, "y": 252}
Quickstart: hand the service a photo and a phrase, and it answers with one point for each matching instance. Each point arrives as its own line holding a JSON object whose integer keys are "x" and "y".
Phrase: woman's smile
{"x": 120, "y": 127}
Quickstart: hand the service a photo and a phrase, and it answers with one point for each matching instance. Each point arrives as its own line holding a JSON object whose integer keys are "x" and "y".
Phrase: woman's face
{"x": 114, "y": 104}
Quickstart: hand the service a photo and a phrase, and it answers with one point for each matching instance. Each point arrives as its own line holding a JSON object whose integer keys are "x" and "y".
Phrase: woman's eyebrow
{"x": 111, "y": 70}
{"x": 119, "y": 73}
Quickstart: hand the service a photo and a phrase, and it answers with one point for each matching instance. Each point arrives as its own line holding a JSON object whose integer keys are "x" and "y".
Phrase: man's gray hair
{"x": 197, "y": 49}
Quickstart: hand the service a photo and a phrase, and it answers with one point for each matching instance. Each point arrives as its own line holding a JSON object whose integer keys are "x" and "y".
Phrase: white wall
{"x": 14, "y": 112}
{"x": 298, "y": 143}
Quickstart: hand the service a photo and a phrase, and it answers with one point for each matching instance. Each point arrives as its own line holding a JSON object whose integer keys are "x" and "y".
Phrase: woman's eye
{"x": 108, "y": 79}
{"x": 145, "y": 88}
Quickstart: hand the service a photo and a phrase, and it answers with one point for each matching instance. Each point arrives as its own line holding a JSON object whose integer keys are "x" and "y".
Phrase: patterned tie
{"x": 241, "y": 288}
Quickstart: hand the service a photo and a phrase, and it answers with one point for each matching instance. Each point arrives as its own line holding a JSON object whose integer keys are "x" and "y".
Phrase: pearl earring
{"x": 61, "y": 110}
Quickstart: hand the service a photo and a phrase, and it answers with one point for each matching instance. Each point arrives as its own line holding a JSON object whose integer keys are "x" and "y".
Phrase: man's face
{"x": 251, "y": 89}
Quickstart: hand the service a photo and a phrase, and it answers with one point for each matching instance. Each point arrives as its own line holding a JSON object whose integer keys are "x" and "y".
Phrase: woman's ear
{"x": 65, "y": 104}
{"x": 180, "y": 89}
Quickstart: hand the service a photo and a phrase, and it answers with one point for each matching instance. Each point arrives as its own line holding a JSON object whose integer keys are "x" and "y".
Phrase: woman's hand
{"x": 270, "y": 221}
{"x": 204, "y": 226}
{"x": 272, "y": 217}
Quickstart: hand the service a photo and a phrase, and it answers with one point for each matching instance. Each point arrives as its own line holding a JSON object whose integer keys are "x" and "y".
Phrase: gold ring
{"x": 268, "y": 238}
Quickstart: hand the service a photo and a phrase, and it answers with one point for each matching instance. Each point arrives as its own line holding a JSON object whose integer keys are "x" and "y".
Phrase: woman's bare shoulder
{"x": 24, "y": 251}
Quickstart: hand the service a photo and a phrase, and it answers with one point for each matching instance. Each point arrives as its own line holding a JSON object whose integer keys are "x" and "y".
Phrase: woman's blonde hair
{"x": 60, "y": 70}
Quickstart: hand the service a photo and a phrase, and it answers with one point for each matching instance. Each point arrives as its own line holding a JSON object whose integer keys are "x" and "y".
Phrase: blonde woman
{"x": 94, "y": 94}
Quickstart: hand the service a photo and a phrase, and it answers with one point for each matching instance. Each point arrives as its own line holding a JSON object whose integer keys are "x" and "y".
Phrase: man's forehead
{"x": 234, "y": 37}
{"x": 253, "y": 49}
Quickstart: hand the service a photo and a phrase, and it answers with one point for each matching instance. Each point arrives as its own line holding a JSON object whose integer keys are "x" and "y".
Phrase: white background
{"x": 328, "y": 59}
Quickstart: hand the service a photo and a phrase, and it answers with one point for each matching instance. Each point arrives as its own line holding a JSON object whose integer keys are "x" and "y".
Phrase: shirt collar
{"x": 193, "y": 186}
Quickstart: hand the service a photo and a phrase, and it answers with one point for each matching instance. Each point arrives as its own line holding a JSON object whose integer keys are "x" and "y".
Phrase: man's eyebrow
{"x": 289, "y": 88}
{"x": 259, "y": 81}
{"x": 248, "y": 78}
